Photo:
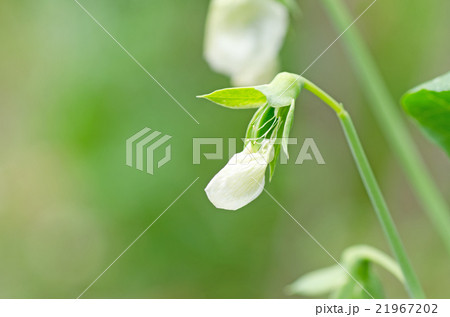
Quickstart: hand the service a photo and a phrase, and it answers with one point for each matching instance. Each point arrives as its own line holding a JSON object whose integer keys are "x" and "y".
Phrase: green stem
{"x": 389, "y": 118}
{"x": 357, "y": 253}
{"x": 373, "y": 190}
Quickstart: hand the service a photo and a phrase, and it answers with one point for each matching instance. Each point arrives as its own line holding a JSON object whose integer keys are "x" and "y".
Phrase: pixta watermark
{"x": 309, "y": 151}
{"x": 140, "y": 149}
{"x": 148, "y": 150}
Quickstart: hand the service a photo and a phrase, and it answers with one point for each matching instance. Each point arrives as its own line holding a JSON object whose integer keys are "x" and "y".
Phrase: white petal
{"x": 239, "y": 182}
{"x": 319, "y": 282}
{"x": 244, "y": 37}
{"x": 254, "y": 74}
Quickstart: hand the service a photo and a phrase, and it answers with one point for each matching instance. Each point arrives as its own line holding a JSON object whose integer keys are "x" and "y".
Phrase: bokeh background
{"x": 70, "y": 97}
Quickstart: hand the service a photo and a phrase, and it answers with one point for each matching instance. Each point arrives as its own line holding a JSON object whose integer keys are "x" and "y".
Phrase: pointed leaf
{"x": 237, "y": 98}
{"x": 429, "y": 105}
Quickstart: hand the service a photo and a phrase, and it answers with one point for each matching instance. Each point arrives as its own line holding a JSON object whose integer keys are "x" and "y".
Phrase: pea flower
{"x": 243, "y": 39}
{"x": 242, "y": 180}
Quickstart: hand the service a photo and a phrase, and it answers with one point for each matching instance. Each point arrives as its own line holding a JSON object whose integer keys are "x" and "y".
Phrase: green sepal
{"x": 287, "y": 128}
{"x": 252, "y": 128}
{"x": 259, "y": 125}
{"x": 277, "y": 134}
{"x": 273, "y": 124}
{"x": 265, "y": 121}
{"x": 237, "y": 98}
{"x": 283, "y": 89}
{"x": 429, "y": 105}
{"x": 273, "y": 162}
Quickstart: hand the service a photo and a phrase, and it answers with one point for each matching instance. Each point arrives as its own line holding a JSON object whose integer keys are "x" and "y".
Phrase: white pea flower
{"x": 242, "y": 180}
{"x": 243, "y": 39}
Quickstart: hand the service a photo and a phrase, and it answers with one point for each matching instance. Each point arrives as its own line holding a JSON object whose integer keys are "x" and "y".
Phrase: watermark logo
{"x": 141, "y": 147}
{"x": 309, "y": 150}
{"x": 142, "y": 154}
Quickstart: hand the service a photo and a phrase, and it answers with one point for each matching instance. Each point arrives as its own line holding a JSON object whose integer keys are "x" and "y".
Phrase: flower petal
{"x": 319, "y": 282}
{"x": 255, "y": 73}
{"x": 243, "y": 38}
{"x": 240, "y": 182}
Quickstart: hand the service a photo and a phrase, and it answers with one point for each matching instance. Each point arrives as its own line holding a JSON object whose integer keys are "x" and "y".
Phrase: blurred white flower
{"x": 243, "y": 39}
{"x": 242, "y": 180}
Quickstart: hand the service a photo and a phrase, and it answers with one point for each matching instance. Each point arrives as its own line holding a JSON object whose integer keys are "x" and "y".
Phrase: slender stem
{"x": 373, "y": 190}
{"x": 389, "y": 118}
{"x": 364, "y": 252}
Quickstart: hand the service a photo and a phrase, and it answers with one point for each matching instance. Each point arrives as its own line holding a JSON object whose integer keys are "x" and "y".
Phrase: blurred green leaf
{"x": 237, "y": 98}
{"x": 429, "y": 105}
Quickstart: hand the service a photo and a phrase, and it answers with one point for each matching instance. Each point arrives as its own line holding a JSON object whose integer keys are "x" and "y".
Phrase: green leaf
{"x": 319, "y": 282}
{"x": 237, "y": 98}
{"x": 429, "y": 105}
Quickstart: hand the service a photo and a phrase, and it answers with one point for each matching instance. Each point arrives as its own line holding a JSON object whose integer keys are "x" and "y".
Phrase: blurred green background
{"x": 70, "y": 97}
